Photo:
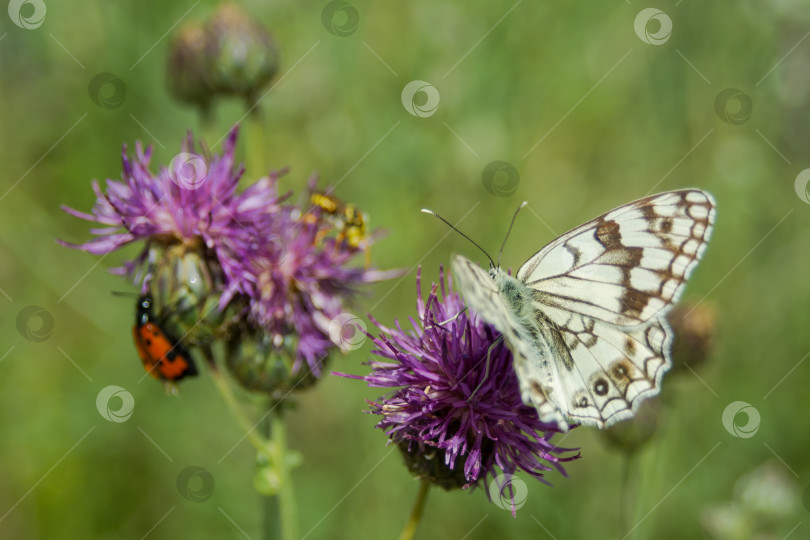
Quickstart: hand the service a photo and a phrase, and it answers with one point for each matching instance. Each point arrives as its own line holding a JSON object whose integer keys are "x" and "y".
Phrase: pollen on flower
{"x": 392, "y": 408}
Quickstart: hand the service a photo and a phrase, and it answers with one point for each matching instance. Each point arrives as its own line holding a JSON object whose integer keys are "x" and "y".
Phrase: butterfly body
{"x": 584, "y": 316}
{"x": 163, "y": 356}
{"x": 532, "y": 341}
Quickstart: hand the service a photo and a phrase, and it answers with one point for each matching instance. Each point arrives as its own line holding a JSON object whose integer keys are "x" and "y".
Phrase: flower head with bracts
{"x": 455, "y": 409}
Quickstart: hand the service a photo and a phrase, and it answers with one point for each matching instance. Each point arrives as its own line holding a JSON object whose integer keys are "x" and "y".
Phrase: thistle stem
{"x": 416, "y": 512}
{"x": 262, "y": 445}
{"x": 271, "y": 503}
{"x": 279, "y": 509}
{"x": 286, "y": 496}
{"x": 255, "y": 159}
{"x": 626, "y": 501}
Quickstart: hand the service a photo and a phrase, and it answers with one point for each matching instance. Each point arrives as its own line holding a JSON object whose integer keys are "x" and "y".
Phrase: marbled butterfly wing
{"x": 584, "y": 316}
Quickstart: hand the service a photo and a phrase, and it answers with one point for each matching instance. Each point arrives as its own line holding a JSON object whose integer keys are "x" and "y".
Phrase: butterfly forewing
{"x": 481, "y": 293}
{"x": 627, "y": 265}
{"x": 599, "y": 294}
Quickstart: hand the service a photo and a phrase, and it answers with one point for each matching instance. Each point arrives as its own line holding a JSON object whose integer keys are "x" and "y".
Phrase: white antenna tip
{"x": 524, "y": 204}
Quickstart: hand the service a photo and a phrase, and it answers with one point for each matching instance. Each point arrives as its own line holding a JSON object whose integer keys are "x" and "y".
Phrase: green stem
{"x": 255, "y": 159}
{"x": 279, "y": 509}
{"x": 262, "y": 445}
{"x": 286, "y": 496}
{"x": 207, "y": 129}
{"x": 272, "y": 517}
{"x": 626, "y": 500}
{"x": 270, "y": 503}
{"x": 416, "y": 512}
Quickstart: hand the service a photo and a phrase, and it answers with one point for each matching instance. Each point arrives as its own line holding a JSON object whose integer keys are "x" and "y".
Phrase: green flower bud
{"x": 242, "y": 56}
{"x": 266, "y": 365}
{"x": 428, "y": 463}
{"x": 694, "y": 328}
{"x": 187, "y": 67}
{"x": 631, "y": 435}
{"x": 186, "y": 289}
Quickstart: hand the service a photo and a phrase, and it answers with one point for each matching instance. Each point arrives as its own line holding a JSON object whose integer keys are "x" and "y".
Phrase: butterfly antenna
{"x": 440, "y": 218}
{"x": 522, "y": 205}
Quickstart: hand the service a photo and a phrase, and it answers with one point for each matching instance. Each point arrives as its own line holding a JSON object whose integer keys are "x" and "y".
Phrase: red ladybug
{"x": 163, "y": 356}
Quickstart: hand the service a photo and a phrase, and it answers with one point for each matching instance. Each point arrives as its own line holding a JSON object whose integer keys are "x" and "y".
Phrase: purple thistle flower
{"x": 192, "y": 202}
{"x": 301, "y": 281}
{"x": 283, "y": 273}
{"x": 447, "y": 406}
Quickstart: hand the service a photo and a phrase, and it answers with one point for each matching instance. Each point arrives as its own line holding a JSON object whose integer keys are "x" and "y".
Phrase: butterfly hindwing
{"x": 626, "y": 266}
{"x": 536, "y": 389}
{"x": 615, "y": 369}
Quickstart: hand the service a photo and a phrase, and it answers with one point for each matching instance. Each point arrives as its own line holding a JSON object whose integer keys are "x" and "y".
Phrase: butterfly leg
{"x": 486, "y": 369}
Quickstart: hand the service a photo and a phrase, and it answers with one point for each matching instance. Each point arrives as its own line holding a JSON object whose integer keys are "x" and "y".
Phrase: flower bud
{"x": 428, "y": 463}
{"x": 187, "y": 67}
{"x": 631, "y": 435}
{"x": 243, "y": 56}
{"x": 694, "y": 328}
{"x": 263, "y": 364}
{"x": 186, "y": 288}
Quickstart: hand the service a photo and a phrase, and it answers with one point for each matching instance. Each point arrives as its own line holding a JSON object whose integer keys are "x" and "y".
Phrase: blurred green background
{"x": 615, "y": 117}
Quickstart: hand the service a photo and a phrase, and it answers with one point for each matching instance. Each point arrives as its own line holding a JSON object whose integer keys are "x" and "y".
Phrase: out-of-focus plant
{"x": 765, "y": 505}
{"x": 230, "y": 54}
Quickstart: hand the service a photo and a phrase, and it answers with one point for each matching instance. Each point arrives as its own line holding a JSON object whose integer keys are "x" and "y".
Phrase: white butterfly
{"x": 584, "y": 316}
